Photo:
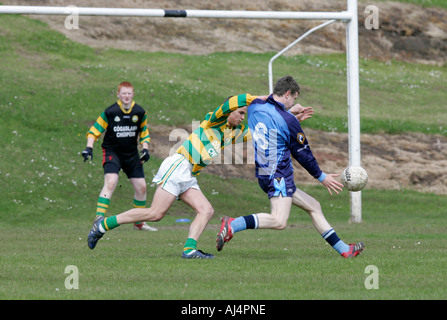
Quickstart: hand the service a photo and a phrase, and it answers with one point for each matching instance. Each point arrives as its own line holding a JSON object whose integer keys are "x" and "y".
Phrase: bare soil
{"x": 407, "y": 32}
{"x": 394, "y": 162}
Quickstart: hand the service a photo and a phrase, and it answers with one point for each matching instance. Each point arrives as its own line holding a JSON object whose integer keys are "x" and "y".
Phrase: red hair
{"x": 125, "y": 84}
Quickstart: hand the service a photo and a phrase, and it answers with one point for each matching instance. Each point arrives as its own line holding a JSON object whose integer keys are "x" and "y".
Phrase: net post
{"x": 352, "y": 54}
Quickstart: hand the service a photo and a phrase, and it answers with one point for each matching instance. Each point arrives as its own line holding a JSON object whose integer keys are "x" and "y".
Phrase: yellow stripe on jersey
{"x": 144, "y": 134}
{"x": 102, "y": 121}
{"x": 198, "y": 144}
{"x": 204, "y": 143}
{"x": 98, "y": 127}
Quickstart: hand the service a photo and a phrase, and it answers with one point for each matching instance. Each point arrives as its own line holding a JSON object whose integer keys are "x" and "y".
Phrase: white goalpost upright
{"x": 352, "y": 52}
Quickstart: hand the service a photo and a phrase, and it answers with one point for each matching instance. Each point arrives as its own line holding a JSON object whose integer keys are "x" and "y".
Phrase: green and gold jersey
{"x": 214, "y": 133}
{"x": 123, "y": 128}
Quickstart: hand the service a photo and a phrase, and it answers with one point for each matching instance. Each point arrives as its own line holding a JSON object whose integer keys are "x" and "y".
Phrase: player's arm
{"x": 144, "y": 132}
{"x": 301, "y": 113}
{"x": 222, "y": 112}
{"x": 145, "y": 139}
{"x": 98, "y": 127}
{"x": 261, "y": 97}
{"x": 88, "y": 152}
{"x": 300, "y": 149}
{"x": 241, "y": 101}
{"x": 144, "y": 154}
{"x": 90, "y": 141}
{"x": 93, "y": 134}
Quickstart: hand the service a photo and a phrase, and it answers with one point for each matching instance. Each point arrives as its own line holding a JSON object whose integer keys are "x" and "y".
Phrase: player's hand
{"x": 301, "y": 113}
{"x": 331, "y": 184}
{"x": 145, "y": 156}
{"x": 306, "y": 113}
{"x": 88, "y": 152}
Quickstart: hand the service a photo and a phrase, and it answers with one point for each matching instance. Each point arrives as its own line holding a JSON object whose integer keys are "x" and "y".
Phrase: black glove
{"x": 88, "y": 152}
{"x": 145, "y": 156}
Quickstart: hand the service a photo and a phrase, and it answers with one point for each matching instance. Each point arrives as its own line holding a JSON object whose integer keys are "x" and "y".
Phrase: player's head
{"x": 124, "y": 84}
{"x": 125, "y": 92}
{"x": 237, "y": 116}
{"x": 287, "y": 89}
{"x": 285, "y": 84}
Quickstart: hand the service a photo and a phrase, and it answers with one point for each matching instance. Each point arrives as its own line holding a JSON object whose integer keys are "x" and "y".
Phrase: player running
{"x": 176, "y": 177}
{"x": 277, "y": 135}
{"x": 124, "y": 124}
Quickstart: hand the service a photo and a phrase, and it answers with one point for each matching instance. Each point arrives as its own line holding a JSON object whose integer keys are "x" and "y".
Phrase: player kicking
{"x": 176, "y": 177}
{"x": 277, "y": 135}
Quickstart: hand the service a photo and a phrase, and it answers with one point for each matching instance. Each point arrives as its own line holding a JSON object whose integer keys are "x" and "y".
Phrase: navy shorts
{"x": 130, "y": 163}
{"x": 284, "y": 186}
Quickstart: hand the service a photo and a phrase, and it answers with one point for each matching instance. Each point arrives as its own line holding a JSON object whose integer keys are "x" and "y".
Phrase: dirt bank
{"x": 406, "y": 32}
{"x": 410, "y": 161}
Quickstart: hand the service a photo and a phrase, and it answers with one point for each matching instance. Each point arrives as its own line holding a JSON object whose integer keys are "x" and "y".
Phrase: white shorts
{"x": 175, "y": 175}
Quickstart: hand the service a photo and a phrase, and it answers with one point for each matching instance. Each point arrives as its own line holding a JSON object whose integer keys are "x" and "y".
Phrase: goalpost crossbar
{"x": 223, "y": 14}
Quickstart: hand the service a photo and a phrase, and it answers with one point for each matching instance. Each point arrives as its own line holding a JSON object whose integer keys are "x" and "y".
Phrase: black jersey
{"x": 123, "y": 128}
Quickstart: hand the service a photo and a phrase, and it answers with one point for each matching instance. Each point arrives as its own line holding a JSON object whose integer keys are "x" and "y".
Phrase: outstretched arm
{"x": 263, "y": 97}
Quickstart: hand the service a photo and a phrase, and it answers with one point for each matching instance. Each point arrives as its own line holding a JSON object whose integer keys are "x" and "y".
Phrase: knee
{"x": 315, "y": 208}
{"x": 153, "y": 215}
{"x": 110, "y": 185}
{"x": 157, "y": 217}
{"x": 159, "y": 213}
{"x": 141, "y": 189}
{"x": 207, "y": 211}
{"x": 281, "y": 225}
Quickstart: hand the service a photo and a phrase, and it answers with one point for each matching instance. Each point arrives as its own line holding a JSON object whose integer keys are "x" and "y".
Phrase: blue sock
{"x": 243, "y": 223}
{"x": 331, "y": 237}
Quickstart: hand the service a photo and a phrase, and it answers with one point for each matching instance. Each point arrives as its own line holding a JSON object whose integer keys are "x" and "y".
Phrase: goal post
{"x": 352, "y": 61}
{"x": 290, "y": 46}
{"x": 350, "y": 17}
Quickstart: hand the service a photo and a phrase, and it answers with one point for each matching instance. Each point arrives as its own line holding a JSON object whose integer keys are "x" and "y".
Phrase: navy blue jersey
{"x": 277, "y": 135}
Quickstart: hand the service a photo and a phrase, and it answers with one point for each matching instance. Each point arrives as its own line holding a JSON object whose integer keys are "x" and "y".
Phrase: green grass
{"x": 404, "y": 241}
{"x": 52, "y": 91}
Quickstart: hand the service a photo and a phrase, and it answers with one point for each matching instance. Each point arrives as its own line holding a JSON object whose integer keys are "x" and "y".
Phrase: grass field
{"x": 53, "y": 89}
{"x": 404, "y": 240}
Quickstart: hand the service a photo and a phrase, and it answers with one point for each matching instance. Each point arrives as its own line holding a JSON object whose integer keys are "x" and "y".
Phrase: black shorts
{"x": 130, "y": 163}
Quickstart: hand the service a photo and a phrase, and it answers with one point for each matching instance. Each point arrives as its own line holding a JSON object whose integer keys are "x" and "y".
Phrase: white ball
{"x": 354, "y": 178}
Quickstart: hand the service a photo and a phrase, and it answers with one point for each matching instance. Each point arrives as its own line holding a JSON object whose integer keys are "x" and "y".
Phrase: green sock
{"x": 109, "y": 223}
{"x": 139, "y": 204}
{"x": 190, "y": 245}
{"x": 101, "y": 206}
